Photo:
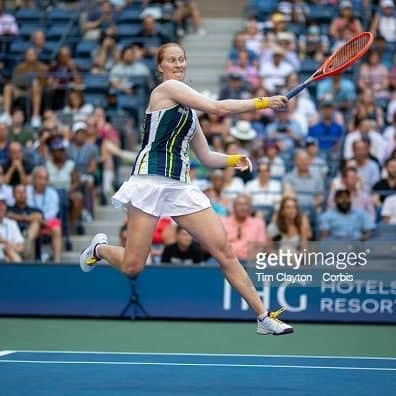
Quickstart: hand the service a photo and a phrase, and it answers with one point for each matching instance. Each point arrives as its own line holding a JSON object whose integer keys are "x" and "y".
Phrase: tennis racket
{"x": 341, "y": 59}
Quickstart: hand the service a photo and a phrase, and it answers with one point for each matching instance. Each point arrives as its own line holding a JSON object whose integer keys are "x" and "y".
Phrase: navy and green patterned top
{"x": 166, "y": 137}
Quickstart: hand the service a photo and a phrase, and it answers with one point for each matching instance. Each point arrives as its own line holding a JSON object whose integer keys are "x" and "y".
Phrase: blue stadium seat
{"x": 29, "y": 15}
{"x": 83, "y": 64}
{"x": 132, "y": 104}
{"x": 96, "y": 83}
{"x": 308, "y": 66}
{"x": 97, "y": 100}
{"x": 19, "y": 47}
{"x": 267, "y": 210}
{"x": 57, "y": 31}
{"x": 321, "y": 13}
{"x": 129, "y": 15}
{"x": 84, "y": 48}
{"x": 385, "y": 232}
{"x": 61, "y": 15}
{"x": 27, "y": 29}
{"x": 128, "y": 30}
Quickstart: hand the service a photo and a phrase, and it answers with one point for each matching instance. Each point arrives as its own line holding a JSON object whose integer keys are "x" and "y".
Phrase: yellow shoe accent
{"x": 275, "y": 314}
{"x": 91, "y": 261}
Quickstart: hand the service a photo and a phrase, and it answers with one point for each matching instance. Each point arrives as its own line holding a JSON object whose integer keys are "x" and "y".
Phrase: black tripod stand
{"x": 134, "y": 304}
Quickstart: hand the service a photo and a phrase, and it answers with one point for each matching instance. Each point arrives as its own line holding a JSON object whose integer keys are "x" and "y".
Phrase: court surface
{"x": 38, "y": 358}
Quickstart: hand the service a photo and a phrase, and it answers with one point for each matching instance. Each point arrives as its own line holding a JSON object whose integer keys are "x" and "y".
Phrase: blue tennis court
{"x": 42, "y": 373}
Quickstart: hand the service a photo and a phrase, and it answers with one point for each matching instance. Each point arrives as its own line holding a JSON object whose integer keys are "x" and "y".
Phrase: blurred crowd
{"x": 74, "y": 89}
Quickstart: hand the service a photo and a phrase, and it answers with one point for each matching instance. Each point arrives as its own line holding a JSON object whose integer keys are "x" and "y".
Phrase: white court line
{"x": 211, "y": 354}
{"x": 198, "y": 365}
{"x": 5, "y": 353}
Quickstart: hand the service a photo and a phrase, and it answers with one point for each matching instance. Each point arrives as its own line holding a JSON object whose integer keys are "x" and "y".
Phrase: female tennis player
{"x": 159, "y": 184}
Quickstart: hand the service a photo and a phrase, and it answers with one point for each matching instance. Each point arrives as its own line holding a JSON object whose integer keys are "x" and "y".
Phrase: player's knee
{"x": 133, "y": 266}
{"x": 223, "y": 252}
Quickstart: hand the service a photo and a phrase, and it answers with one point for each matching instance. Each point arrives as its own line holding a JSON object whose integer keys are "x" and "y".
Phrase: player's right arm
{"x": 172, "y": 92}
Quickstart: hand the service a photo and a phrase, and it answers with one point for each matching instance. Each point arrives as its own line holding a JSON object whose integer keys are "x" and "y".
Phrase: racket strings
{"x": 348, "y": 52}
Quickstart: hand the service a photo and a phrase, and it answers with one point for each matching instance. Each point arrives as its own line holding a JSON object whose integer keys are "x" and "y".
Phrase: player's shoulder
{"x": 170, "y": 84}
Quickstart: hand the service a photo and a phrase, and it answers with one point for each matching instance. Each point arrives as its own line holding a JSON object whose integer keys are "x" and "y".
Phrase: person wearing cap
{"x": 327, "y": 130}
{"x": 275, "y": 70}
{"x": 384, "y": 22}
{"x": 235, "y": 87}
{"x": 85, "y": 156}
{"x": 29, "y": 220}
{"x": 11, "y": 239}
{"x": 346, "y": 25}
{"x": 313, "y": 45}
{"x": 160, "y": 185}
{"x": 318, "y": 163}
{"x": 287, "y": 42}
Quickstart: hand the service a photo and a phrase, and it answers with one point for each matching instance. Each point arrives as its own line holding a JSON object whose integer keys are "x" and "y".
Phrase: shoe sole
{"x": 285, "y": 332}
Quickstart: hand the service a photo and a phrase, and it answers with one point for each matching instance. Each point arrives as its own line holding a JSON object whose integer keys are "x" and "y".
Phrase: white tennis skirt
{"x": 160, "y": 196}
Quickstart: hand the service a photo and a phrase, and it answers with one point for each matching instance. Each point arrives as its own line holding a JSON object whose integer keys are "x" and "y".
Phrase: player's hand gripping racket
{"x": 341, "y": 59}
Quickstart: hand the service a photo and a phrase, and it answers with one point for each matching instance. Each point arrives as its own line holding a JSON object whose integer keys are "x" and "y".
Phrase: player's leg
{"x": 130, "y": 259}
{"x": 206, "y": 227}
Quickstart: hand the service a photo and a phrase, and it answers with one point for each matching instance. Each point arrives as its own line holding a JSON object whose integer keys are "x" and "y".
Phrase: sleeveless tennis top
{"x": 166, "y": 137}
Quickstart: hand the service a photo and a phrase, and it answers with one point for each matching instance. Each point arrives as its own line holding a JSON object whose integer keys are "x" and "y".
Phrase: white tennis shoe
{"x": 272, "y": 325}
{"x": 87, "y": 257}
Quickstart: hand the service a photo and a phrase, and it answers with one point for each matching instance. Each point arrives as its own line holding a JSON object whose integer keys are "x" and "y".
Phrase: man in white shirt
{"x": 365, "y": 130}
{"x": 275, "y": 71}
{"x": 388, "y": 211}
{"x": 262, "y": 189}
{"x": 11, "y": 239}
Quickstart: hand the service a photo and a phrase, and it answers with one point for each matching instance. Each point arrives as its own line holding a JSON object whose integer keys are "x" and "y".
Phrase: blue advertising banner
{"x": 188, "y": 293}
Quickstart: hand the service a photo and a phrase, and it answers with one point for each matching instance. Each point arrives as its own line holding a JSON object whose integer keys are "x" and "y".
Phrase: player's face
{"x": 173, "y": 65}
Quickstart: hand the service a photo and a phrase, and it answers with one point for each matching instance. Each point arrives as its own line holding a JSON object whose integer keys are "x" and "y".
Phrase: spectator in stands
{"x": 11, "y": 239}
{"x": 384, "y": 22}
{"x": 76, "y": 107}
{"x": 374, "y": 76}
{"x": 263, "y": 189}
{"x": 41, "y": 196}
{"x": 345, "y": 223}
{"x": 233, "y": 185}
{"x": 246, "y": 234}
{"x": 286, "y": 41}
{"x": 346, "y": 25}
{"x": 122, "y": 74}
{"x": 275, "y": 71}
{"x": 389, "y": 136}
{"x": 239, "y": 44}
{"x": 8, "y": 27}
{"x": 317, "y": 163}
{"x": 38, "y": 42}
{"x": 101, "y": 19}
{"x": 5, "y": 189}
{"x": 289, "y": 226}
{"x": 294, "y": 10}
{"x": 29, "y": 220}
{"x": 327, "y": 131}
{"x": 277, "y": 24}
{"x": 301, "y": 182}
{"x": 151, "y": 31}
{"x": 387, "y": 185}
{"x": 62, "y": 174}
{"x": 253, "y": 36}
{"x": 18, "y": 131}
{"x": 185, "y": 10}
{"x": 28, "y": 78}
{"x": 4, "y": 144}
{"x": 368, "y": 169}
{"x": 184, "y": 251}
{"x": 365, "y": 107}
{"x": 235, "y": 87}
{"x": 313, "y": 45}
{"x": 287, "y": 132}
{"x": 107, "y": 54}
{"x": 365, "y": 131}
{"x": 39, "y": 152}
{"x": 360, "y": 199}
{"x": 248, "y": 71}
{"x": 388, "y": 211}
{"x": 85, "y": 156}
{"x": 63, "y": 74}
{"x": 341, "y": 89}
{"x": 275, "y": 161}
{"x": 18, "y": 168}
{"x": 220, "y": 203}
{"x": 215, "y": 125}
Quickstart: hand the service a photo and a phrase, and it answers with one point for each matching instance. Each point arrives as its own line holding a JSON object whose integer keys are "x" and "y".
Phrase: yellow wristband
{"x": 233, "y": 159}
{"x": 261, "y": 103}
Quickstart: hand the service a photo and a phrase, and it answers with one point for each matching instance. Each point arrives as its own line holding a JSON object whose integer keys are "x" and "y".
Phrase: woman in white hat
{"x": 159, "y": 185}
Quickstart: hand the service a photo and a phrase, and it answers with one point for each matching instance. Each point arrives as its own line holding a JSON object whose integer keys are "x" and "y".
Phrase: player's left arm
{"x": 212, "y": 159}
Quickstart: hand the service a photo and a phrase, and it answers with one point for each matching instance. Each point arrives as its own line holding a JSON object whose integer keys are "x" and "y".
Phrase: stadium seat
{"x": 96, "y": 83}
{"x": 308, "y": 66}
{"x": 84, "y": 48}
{"x": 267, "y": 210}
{"x": 128, "y": 30}
{"x": 19, "y": 47}
{"x": 129, "y": 15}
{"x": 56, "y": 32}
{"x": 29, "y": 15}
{"x": 385, "y": 232}
{"x": 61, "y": 15}
{"x": 83, "y": 64}
{"x": 132, "y": 104}
{"x": 97, "y": 100}
{"x": 321, "y": 13}
{"x": 27, "y": 29}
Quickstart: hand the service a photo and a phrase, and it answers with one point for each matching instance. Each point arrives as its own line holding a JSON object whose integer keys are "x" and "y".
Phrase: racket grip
{"x": 295, "y": 91}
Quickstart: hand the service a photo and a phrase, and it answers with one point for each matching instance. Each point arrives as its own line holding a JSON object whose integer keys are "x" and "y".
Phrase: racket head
{"x": 345, "y": 56}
